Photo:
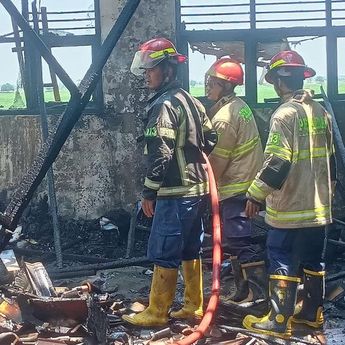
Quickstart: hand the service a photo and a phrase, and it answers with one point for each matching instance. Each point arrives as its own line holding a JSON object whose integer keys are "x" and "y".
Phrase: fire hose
{"x": 217, "y": 260}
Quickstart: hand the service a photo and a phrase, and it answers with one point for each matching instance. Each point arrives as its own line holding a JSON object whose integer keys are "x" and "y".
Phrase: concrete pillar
{"x": 124, "y": 95}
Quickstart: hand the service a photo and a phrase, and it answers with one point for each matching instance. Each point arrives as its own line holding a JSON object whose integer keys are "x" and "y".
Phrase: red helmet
{"x": 227, "y": 69}
{"x": 153, "y": 52}
{"x": 290, "y": 59}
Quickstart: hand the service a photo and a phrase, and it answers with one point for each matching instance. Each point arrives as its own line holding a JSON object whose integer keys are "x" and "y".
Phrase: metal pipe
{"x": 259, "y": 4}
{"x": 68, "y": 20}
{"x": 104, "y": 266}
{"x": 67, "y": 12}
{"x": 45, "y": 255}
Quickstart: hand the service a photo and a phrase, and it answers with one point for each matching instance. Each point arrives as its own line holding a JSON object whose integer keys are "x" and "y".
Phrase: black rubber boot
{"x": 242, "y": 293}
{"x": 313, "y": 293}
{"x": 256, "y": 274}
{"x": 283, "y": 292}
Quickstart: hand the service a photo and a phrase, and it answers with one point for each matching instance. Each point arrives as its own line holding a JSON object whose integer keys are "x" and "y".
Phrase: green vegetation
{"x": 266, "y": 91}
{"x": 9, "y": 100}
{"x": 6, "y": 99}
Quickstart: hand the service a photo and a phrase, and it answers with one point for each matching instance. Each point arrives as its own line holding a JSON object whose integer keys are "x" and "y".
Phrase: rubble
{"x": 73, "y": 311}
{"x": 83, "y": 302}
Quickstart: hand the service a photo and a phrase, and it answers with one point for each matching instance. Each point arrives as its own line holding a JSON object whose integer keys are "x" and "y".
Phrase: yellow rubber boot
{"x": 283, "y": 293}
{"x": 193, "y": 292}
{"x": 311, "y": 313}
{"x": 162, "y": 294}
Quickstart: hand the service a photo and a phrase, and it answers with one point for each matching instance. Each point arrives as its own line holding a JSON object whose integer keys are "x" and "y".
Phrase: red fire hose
{"x": 217, "y": 260}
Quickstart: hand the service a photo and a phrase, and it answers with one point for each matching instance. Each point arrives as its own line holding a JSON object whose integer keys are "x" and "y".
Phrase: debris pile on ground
{"x": 35, "y": 310}
{"x": 86, "y": 241}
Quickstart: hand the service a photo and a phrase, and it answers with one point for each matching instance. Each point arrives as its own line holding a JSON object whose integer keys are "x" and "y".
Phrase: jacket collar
{"x": 223, "y": 101}
{"x": 172, "y": 85}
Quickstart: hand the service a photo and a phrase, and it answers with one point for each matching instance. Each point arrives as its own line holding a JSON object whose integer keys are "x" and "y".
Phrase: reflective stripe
{"x": 314, "y": 273}
{"x": 246, "y": 147}
{"x": 222, "y": 153}
{"x": 317, "y": 213}
{"x": 317, "y": 152}
{"x": 287, "y": 278}
{"x": 238, "y": 150}
{"x": 167, "y": 132}
{"x": 160, "y": 53}
{"x": 180, "y": 142}
{"x": 279, "y": 151}
{"x": 256, "y": 192}
{"x": 233, "y": 188}
{"x": 286, "y": 154}
{"x": 278, "y": 63}
{"x": 192, "y": 190}
{"x": 152, "y": 184}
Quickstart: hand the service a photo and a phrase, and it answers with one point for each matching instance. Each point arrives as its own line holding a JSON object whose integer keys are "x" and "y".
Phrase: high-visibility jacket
{"x": 295, "y": 179}
{"x": 238, "y": 155}
{"x": 177, "y": 133}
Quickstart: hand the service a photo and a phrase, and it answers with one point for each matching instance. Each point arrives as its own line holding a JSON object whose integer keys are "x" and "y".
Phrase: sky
{"x": 77, "y": 60}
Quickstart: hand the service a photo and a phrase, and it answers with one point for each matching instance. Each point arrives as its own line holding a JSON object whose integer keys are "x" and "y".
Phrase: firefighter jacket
{"x": 177, "y": 133}
{"x": 238, "y": 155}
{"x": 295, "y": 179}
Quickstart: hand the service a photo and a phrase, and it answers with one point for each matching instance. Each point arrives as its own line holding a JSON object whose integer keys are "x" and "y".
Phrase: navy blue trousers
{"x": 237, "y": 229}
{"x": 289, "y": 250}
{"x": 177, "y": 231}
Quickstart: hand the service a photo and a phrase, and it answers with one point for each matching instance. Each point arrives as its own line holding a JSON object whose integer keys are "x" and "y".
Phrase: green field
{"x": 7, "y": 99}
{"x": 265, "y": 91}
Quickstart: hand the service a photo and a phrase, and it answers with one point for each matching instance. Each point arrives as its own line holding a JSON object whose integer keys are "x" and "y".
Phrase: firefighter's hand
{"x": 252, "y": 209}
{"x": 148, "y": 207}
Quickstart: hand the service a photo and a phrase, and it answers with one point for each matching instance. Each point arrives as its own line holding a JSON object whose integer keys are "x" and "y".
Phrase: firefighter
{"x": 176, "y": 184}
{"x": 236, "y": 159}
{"x": 296, "y": 184}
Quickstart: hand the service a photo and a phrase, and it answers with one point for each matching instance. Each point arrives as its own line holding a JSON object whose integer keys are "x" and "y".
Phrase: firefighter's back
{"x": 304, "y": 199}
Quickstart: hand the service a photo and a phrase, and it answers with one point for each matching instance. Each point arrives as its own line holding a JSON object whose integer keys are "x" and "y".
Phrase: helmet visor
{"x": 143, "y": 60}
